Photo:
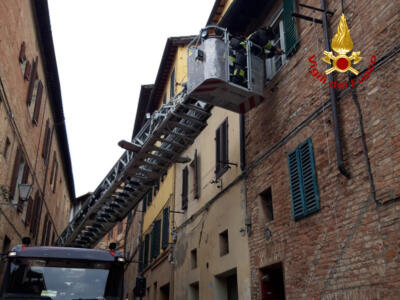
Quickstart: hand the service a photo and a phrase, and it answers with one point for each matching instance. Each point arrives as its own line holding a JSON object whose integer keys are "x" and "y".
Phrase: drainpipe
{"x": 338, "y": 141}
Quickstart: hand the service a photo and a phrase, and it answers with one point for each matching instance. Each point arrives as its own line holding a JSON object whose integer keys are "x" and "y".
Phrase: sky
{"x": 106, "y": 49}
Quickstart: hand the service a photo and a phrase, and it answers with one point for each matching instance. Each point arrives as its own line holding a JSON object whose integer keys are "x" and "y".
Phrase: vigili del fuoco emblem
{"x": 342, "y": 44}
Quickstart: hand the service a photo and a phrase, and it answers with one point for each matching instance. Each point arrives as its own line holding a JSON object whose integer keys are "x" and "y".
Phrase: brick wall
{"x": 350, "y": 249}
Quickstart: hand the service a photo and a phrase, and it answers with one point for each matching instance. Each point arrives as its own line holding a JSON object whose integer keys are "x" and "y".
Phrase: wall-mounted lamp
{"x": 128, "y": 146}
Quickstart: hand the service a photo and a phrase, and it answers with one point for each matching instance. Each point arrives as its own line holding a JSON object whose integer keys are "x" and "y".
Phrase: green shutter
{"x": 146, "y": 250}
{"x": 149, "y": 196}
{"x": 155, "y": 239}
{"x": 303, "y": 181}
{"x": 290, "y": 27}
{"x": 144, "y": 204}
{"x": 141, "y": 257}
{"x": 165, "y": 228}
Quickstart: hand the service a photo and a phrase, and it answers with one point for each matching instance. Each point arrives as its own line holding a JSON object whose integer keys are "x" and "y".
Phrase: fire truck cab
{"x": 61, "y": 273}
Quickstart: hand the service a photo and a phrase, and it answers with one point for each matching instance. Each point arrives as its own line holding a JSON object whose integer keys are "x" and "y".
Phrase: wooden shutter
{"x": 55, "y": 178}
{"x": 38, "y": 103}
{"x": 217, "y": 150}
{"x": 303, "y": 181}
{"x": 289, "y": 27}
{"x": 32, "y": 82}
{"x": 146, "y": 250}
{"x": 25, "y": 176}
{"x": 196, "y": 175}
{"x": 172, "y": 85}
{"x": 14, "y": 176}
{"x": 22, "y": 53}
{"x": 224, "y": 143}
{"x": 141, "y": 257}
{"x": 221, "y": 148}
{"x": 144, "y": 205}
{"x": 53, "y": 238}
{"x": 45, "y": 147}
{"x": 185, "y": 177}
{"x": 149, "y": 196}
{"x": 34, "y": 217}
{"x": 29, "y": 211}
{"x": 155, "y": 239}
{"x": 48, "y": 231}
{"x": 165, "y": 228}
{"x": 44, "y": 230}
{"x": 28, "y": 69}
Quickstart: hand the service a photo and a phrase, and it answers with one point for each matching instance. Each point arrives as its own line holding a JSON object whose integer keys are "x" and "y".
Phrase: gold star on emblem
{"x": 342, "y": 44}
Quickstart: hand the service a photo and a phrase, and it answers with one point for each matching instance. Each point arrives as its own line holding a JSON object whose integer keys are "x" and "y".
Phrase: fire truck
{"x": 62, "y": 273}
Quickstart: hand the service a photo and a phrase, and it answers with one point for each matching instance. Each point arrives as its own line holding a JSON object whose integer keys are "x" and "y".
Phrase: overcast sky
{"x": 106, "y": 49}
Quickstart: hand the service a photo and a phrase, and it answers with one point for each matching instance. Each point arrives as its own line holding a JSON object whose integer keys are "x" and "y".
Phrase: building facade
{"x": 33, "y": 140}
{"x": 322, "y": 186}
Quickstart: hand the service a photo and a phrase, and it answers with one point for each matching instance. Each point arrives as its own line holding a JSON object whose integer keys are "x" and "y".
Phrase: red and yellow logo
{"x": 342, "y": 44}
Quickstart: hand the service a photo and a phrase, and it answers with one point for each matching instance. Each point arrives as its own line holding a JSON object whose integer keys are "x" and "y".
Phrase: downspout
{"x": 332, "y": 93}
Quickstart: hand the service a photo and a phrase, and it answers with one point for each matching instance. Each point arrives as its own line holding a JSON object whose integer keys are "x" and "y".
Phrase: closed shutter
{"x": 196, "y": 176}
{"x": 146, "y": 250}
{"x": 157, "y": 238}
{"x": 35, "y": 220}
{"x": 303, "y": 181}
{"x": 290, "y": 27}
{"x": 165, "y": 228}
{"x": 38, "y": 103}
{"x": 172, "y": 85}
{"x": 185, "y": 175}
{"x": 45, "y": 146}
{"x": 14, "y": 176}
{"x": 32, "y": 82}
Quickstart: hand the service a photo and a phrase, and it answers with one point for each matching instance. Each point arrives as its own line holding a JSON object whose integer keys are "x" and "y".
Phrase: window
{"x": 266, "y": 204}
{"x": 20, "y": 175}
{"x": 185, "y": 187}
{"x": 272, "y": 276}
{"x": 303, "y": 181}
{"x": 193, "y": 258}
{"x": 46, "y": 142}
{"x": 6, "y": 147}
{"x": 165, "y": 229}
{"x": 172, "y": 85}
{"x": 221, "y": 149}
{"x": 223, "y": 243}
{"x": 274, "y": 64}
{"x": 35, "y": 92}
{"x": 194, "y": 291}
{"x": 155, "y": 239}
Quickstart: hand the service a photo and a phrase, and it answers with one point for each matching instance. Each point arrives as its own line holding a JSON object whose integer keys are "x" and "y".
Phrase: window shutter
{"x": 48, "y": 232}
{"x": 46, "y": 140}
{"x": 24, "y": 179}
{"x": 144, "y": 206}
{"x": 28, "y": 69}
{"x": 157, "y": 238}
{"x": 290, "y": 27}
{"x": 303, "y": 181}
{"x": 185, "y": 176}
{"x": 172, "y": 85}
{"x": 22, "y": 54}
{"x": 38, "y": 102}
{"x": 196, "y": 175}
{"x": 146, "y": 250}
{"x": 14, "y": 177}
{"x": 29, "y": 211}
{"x": 224, "y": 143}
{"x": 44, "y": 230}
{"x": 153, "y": 242}
{"x": 149, "y": 196}
{"x": 165, "y": 228}
{"x": 55, "y": 178}
{"x": 33, "y": 217}
{"x": 141, "y": 257}
{"x": 32, "y": 82}
{"x": 217, "y": 150}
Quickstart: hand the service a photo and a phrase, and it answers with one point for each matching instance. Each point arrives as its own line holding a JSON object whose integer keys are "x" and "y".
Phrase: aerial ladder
{"x": 168, "y": 133}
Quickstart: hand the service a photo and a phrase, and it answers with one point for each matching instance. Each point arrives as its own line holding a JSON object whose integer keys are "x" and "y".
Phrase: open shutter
{"x": 46, "y": 140}
{"x": 224, "y": 143}
{"x": 141, "y": 257}
{"x": 165, "y": 228}
{"x": 25, "y": 176}
{"x": 196, "y": 176}
{"x": 290, "y": 27}
{"x": 144, "y": 205}
{"x": 22, "y": 54}
{"x": 44, "y": 230}
{"x": 217, "y": 150}
{"x": 28, "y": 69}
{"x": 157, "y": 238}
{"x": 29, "y": 211}
{"x": 153, "y": 242}
{"x": 295, "y": 185}
{"x": 310, "y": 187}
{"x": 172, "y": 85}
{"x": 185, "y": 175}
{"x": 149, "y": 196}
{"x": 38, "y": 102}
{"x": 146, "y": 250}
{"x": 14, "y": 177}
{"x": 32, "y": 82}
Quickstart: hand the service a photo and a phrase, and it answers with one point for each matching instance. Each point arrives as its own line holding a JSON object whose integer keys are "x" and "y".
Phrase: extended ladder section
{"x": 222, "y": 71}
{"x": 168, "y": 132}
{"x": 225, "y": 71}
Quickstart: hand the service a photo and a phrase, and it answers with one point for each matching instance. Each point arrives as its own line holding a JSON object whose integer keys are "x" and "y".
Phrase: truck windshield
{"x": 63, "y": 280}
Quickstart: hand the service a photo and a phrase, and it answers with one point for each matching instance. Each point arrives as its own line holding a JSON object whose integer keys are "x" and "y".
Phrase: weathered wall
{"x": 17, "y": 25}
{"x": 350, "y": 248}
